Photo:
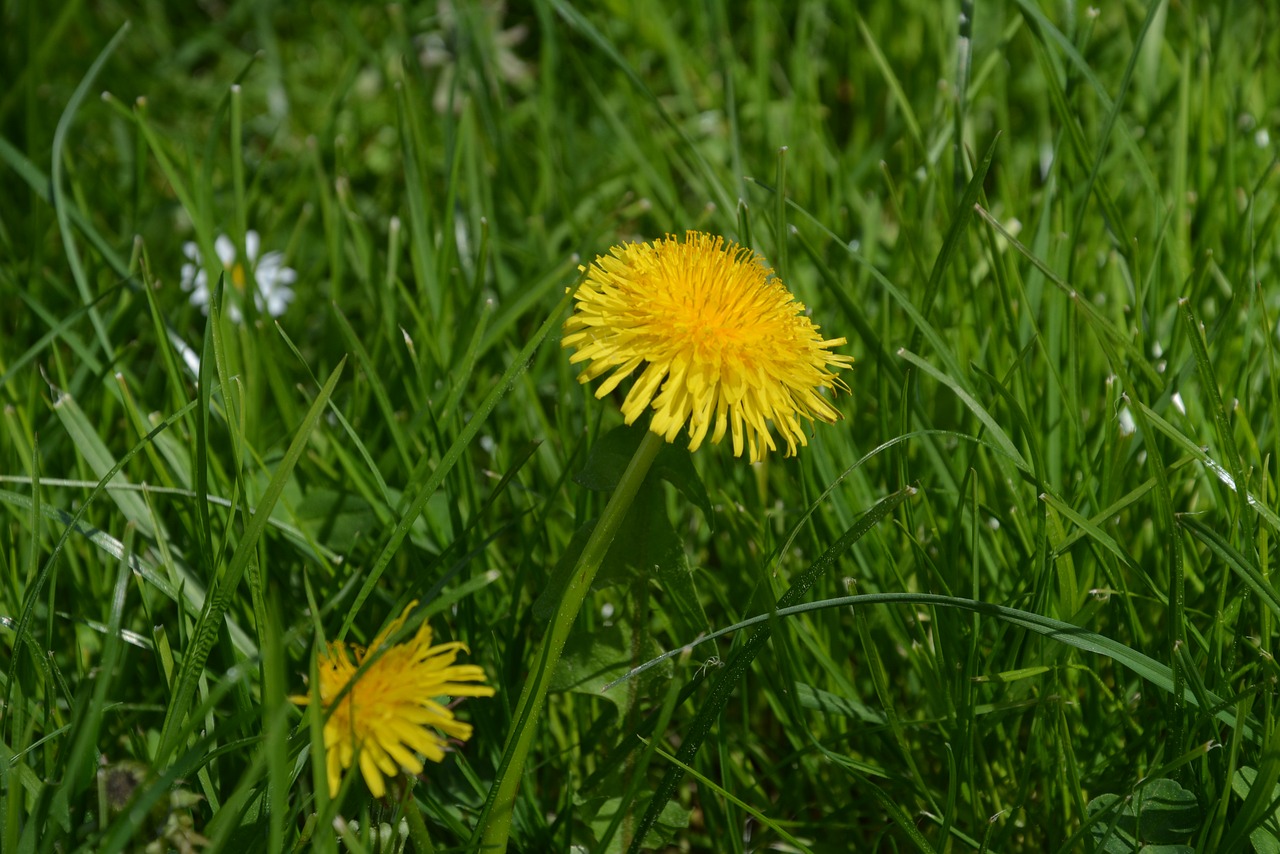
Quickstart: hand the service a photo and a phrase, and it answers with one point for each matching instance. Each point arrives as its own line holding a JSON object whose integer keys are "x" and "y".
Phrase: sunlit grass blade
{"x": 1226, "y": 436}
{"x": 57, "y": 191}
{"x": 422, "y": 492}
{"x": 721, "y": 792}
{"x": 23, "y": 627}
{"x": 81, "y": 750}
{"x": 727, "y": 679}
{"x": 376, "y": 384}
{"x": 998, "y": 434}
{"x": 218, "y": 599}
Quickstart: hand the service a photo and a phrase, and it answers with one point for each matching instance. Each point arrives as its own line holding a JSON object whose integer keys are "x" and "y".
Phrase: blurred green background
{"x": 1070, "y": 358}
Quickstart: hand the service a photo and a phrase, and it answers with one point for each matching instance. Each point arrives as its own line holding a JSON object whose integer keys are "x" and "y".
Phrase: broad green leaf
{"x": 592, "y": 660}
{"x": 1159, "y": 817}
{"x": 810, "y": 697}
{"x": 647, "y": 546}
{"x": 673, "y": 819}
{"x": 613, "y": 451}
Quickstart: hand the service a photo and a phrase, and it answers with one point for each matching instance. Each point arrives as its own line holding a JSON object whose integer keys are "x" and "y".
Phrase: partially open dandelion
{"x": 393, "y": 711}
{"x": 725, "y": 346}
{"x": 270, "y": 277}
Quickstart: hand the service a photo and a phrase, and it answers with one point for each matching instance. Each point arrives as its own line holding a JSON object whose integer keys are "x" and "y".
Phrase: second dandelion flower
{"x": 385, "y": 704}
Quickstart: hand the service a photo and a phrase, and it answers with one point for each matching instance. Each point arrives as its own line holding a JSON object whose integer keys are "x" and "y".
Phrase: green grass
{"x": 1020, "y": 599}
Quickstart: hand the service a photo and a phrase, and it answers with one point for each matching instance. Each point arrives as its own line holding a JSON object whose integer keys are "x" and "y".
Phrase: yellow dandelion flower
{"x": 390, "y": 715}
{"x": 722, "y": 340}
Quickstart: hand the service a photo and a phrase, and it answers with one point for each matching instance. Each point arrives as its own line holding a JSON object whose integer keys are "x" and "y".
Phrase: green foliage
{"x": 1265, "y": 837}
{"x": 1159, "y": 817}
{"x": 1021, "y": 598}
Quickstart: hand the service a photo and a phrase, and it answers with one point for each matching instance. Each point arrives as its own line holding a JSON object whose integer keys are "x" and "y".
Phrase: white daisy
{"x": 270, "y": 276}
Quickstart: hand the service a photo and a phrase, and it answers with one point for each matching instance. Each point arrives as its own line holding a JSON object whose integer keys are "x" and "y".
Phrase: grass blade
{"x": 727, "y": 679}
{"x": 216, "y": 603}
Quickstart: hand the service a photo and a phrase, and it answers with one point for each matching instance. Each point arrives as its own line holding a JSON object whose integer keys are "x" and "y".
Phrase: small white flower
{"x": 1127, "y": 424}
{"x": 270, "y": 276}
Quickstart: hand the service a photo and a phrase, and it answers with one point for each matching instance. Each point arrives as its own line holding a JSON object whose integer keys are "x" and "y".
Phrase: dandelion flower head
{"x": 393, "y": 713}
{"x": 721, "y": 344}
{"x": 270, "y": 278}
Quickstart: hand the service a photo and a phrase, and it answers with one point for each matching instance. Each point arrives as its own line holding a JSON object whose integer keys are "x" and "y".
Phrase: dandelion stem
{"x": 495, "y": 822}
{"x": 417, "y": 825}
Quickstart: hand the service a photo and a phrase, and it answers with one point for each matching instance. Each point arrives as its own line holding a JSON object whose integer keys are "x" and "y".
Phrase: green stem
{"x": 495, "y": 823}
{"x": 417, "y": 826}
